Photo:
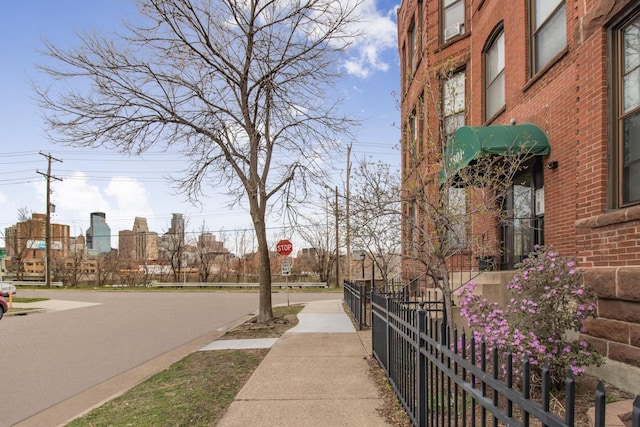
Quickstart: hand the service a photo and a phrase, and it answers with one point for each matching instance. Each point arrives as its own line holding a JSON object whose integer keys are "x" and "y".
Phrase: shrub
{"x": 546, "y": 302}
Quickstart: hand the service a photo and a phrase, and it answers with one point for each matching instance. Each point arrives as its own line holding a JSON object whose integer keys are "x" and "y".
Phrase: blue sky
{"x": 125, "y": 187}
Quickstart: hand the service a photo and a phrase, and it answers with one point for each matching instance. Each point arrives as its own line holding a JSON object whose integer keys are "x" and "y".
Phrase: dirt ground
{"x": 285, "y": 318}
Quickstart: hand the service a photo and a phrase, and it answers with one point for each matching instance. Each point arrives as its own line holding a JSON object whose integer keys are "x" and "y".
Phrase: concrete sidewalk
{"x": 316, "y": 374}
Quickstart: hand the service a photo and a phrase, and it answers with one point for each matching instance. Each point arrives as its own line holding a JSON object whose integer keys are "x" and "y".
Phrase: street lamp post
{"x": 363, "y": 256}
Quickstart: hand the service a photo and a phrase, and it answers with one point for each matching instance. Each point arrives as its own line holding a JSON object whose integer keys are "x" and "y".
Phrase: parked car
{"x": 3, "y": 307}
{"x": 6, "y": 287}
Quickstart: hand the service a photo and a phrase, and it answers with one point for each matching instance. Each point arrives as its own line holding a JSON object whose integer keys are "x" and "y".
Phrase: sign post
{"x": 285, "y": 248}
{"x": 286, "y": 266}
{"x": 3, "y": 255}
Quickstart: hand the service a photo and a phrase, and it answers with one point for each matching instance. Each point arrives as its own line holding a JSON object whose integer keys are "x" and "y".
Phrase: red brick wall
{"x": 569, "y": 102}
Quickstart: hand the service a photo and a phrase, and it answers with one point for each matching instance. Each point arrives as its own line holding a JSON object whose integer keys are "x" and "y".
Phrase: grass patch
{"x": 195, "y": 391}
{"x": 28, "y": 300}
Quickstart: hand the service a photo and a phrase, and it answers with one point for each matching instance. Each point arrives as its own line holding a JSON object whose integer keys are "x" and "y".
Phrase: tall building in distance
{"x": 140, "y": 225}
{"x": 208, "y": 244}
{"x": 140, "y": 243}
{"x": 98, "y": 234}
{"x": 127, "y": 244}
{"x": 173, "y": 241}
{"x": 26, "y": 246}
{"x": 177, "y": 226}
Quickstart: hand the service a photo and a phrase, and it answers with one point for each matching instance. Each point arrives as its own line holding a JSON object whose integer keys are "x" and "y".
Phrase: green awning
{"x": 473, "y": 142}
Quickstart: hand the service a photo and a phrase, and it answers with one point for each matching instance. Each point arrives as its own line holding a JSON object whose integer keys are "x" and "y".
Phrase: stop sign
{"x": 284, "y": 247}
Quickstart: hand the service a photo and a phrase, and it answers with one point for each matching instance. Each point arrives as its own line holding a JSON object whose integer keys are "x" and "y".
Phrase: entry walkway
{"x": 316, "y": 374}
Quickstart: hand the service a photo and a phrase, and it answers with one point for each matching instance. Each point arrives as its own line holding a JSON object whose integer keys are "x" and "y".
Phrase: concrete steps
{"x": 492, "y": 285}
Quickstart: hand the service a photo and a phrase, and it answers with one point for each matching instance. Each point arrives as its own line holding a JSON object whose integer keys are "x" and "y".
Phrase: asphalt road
{"x": 60, "y": 363}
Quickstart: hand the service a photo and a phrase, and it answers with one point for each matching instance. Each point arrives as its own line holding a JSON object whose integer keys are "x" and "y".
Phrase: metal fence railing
{"x": 357, "y": 298}
{"x": 443, "y": 379}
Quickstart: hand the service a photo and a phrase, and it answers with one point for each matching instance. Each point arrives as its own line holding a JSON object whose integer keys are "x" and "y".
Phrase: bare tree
{"x": 322, "y": 248}
{"x": 17, "y": 239}
{"x": 204, "y": 260}
{"x": 106, "y": 267}
{"x": 376, "y": 215}
{"x": 242, "y": 89}
{"x": 24, "y": 214}
{"x": 173, "y": 247}
{"x": 244, "y": 246}
{"x": 71, "y": 269}
{"x": 210, "y": 256}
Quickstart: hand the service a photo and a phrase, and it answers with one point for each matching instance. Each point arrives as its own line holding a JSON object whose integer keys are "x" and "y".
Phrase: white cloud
{"x": 130, "y": 196}
{"x": 379, "y": 35}
{"x": 122, "y": 199}
{"x": 76, "y": 196}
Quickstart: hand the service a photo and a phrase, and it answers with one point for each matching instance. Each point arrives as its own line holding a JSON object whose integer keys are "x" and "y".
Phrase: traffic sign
{"x": 284, "y": 247}
{"x": 286, "y": 266}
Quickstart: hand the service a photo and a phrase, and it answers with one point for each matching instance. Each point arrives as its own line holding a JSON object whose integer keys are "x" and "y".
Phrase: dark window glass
{"x": 628, "y": 76}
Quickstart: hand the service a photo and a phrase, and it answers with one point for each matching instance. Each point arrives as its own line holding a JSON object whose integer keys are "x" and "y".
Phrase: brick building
{"x": 571, "y": 70}
{"x": 138, "y": 244}
{"x": 26, "y": 246}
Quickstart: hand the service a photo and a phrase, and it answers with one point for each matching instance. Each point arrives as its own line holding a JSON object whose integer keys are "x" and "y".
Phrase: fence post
{"x": 422, "y": 381}
{"x": 388, "y": 337}
{"x": 443, "y": 338}
{"x": 570, "y": 411}
{"x": 362, "y": 305}
{"x": 600, "y": 405}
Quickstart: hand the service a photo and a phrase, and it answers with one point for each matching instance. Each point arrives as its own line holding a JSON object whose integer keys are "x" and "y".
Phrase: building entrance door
{"x": 523, "y": 216}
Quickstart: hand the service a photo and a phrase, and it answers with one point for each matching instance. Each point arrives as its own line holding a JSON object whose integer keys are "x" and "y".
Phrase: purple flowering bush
{"x": 547, "y": 301}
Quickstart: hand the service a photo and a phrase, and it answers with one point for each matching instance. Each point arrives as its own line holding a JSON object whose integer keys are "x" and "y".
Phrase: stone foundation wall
{"x": 616, "y": 333}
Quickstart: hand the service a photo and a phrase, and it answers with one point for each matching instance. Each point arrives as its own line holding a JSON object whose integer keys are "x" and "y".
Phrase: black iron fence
{"x": 443, "y": 379}
{"x": 357, "y": 297}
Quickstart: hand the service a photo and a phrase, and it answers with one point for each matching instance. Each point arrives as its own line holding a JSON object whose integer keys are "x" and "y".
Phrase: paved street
{"x": 71, "y": 359}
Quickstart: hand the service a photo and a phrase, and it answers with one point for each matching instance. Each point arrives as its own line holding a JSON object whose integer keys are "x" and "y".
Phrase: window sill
{"x": 619, "y": 216}
{"x": 532, "y": 81}
{"x": 495, "y": 115}
{"x": 452, "y": 41}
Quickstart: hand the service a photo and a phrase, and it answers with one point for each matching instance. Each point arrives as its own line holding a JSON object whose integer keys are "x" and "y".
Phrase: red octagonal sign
{"x": 284, "y": 247}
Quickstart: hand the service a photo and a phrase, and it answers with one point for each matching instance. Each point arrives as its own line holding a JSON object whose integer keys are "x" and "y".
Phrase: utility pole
{"x": 47, "y": 231}
{"x": 348, "y": 226}
{"x": 337, "y": 244}
{"x": 327, "y": 259}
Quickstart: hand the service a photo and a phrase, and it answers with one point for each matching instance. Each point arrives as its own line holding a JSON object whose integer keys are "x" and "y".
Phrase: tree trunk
{"x": 265, "y": 311}
{"x": 446, "y": 291}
